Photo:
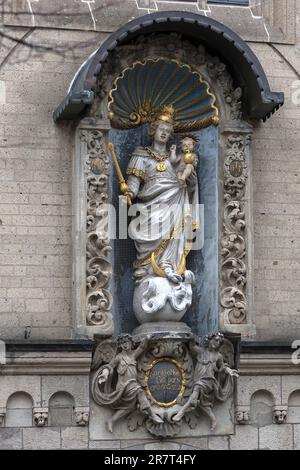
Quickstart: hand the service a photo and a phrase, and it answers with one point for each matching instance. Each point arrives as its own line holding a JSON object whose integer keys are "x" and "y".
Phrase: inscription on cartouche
{"x": 165, "y": 382}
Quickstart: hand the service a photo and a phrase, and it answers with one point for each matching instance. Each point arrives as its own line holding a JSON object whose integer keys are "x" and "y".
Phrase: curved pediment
{"x": 259, "y": 101}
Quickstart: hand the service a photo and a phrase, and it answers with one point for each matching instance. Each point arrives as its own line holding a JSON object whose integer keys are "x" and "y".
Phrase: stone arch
{"x": 61, "y": 409}
{"x": 293, "y": 415}
{"x": 260, "y": 102}
{"x": 261, "y": 408}
{"x": 19, "y": 410}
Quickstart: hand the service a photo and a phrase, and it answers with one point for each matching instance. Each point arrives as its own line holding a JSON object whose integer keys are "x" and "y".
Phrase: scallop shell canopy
{"x": 147, "y": 86}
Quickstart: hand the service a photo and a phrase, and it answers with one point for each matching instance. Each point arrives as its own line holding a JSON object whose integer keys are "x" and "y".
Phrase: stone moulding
{"x": 47, "y": 363}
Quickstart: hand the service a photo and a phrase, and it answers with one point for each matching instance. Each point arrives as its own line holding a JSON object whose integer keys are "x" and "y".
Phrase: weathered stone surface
{"x": 290, "y": 384}
{"x": 276, "y": 437}
{"x": 41, "y": 438}
{"x": 79, "y": 388}
{"x": 134, "y": 444}
{"x": 198, "y": 443}
{"x": 162, "y": 446}
{"x": 246, "y": 438}
{"x": 297, "y": 437}
{"x": 247, "y": 386}
{"x": 74, "y": 438}
{"x": 251, "y": 23}
{"x": 27, "y": 384}
{"x": 105, "y": 445}
{"x": 10, "y": 438}
{"x": 218, "y": 443}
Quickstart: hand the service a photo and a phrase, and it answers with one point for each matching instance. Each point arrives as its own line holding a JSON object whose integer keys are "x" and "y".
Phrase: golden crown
{"x": 166, "y": 114}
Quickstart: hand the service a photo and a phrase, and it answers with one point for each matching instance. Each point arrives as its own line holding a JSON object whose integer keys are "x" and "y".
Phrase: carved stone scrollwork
{"x": 233, "y": 246}
{"x": 161, "y": 383}
{"x": 98, "y": 266}
{"x": 233, "y": 96}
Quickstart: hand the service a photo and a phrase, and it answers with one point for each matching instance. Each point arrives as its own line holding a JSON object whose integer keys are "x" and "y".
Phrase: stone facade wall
{"x": 36, "y": 181}
{"x": 36, "y": 219}
{"x": 258, "y": 424}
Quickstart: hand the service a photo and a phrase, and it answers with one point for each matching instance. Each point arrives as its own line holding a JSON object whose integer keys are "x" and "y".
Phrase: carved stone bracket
{"x": 242, "y": 415}
{"x": 2, "y": 419}
{"x": 92, "y": 273}
{"x": 280, "y": 414}
{"x": 82, "y": 416}
{"x": 40, "y": 417}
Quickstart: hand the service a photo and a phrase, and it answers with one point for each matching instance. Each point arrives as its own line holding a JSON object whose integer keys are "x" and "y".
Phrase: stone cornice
{"x": 49, "y": 346}
{"x": 47, "y": 363}
{"x": 268, "y": 364}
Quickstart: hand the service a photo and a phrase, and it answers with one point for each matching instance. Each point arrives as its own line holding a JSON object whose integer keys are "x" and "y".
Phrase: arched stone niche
{"x": 227, "y": 296}
{"x": 61, "y": 409}
{"x": 261, "y": 408}
{"x": 19, "y": 410}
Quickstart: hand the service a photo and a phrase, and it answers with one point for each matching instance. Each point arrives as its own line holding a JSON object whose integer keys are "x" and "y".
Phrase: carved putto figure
{"x": 213, "y": 378}
{"x": 187, "y": 159}
{"x": 127, "y": 394}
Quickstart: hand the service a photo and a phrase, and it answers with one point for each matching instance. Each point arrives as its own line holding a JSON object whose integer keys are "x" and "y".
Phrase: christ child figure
{"x": 187, "y": 158}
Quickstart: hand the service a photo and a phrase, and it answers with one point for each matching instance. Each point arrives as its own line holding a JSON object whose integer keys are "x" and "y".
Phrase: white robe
{"x": 159, "y": 193}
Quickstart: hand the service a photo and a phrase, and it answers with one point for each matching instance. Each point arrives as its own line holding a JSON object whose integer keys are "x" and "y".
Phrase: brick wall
{"x": 35, "y": 190}
{"x": 276, "y": 197}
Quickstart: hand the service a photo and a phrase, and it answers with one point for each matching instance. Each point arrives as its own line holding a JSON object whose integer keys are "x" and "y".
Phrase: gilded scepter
{"x": 122, "y": 183}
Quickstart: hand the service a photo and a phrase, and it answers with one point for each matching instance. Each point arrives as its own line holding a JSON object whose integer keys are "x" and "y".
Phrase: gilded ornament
{"x": 161, "y": 166}
{"x": 136, "y": 98}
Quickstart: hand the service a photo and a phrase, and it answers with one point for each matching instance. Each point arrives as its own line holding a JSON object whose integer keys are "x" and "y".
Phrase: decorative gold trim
{"x": 196, "y": 125}
{"x": 160, "y": 249}
{"x": 157, "y": 269}
{"x": 142, "y": 115}
{"x": 161, "y": 167}
{"x": 151, "y": 259}
{"x": 183, "y": 381}
{"x": 135, "y": 172}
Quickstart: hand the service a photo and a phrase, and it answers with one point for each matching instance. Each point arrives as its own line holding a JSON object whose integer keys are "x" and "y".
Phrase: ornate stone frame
{"x": 92, "y": 297}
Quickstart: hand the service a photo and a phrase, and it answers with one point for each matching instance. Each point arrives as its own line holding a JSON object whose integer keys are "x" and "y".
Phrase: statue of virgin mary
{"x": 163, "y": 225}
{"x": 161, "y": 181}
